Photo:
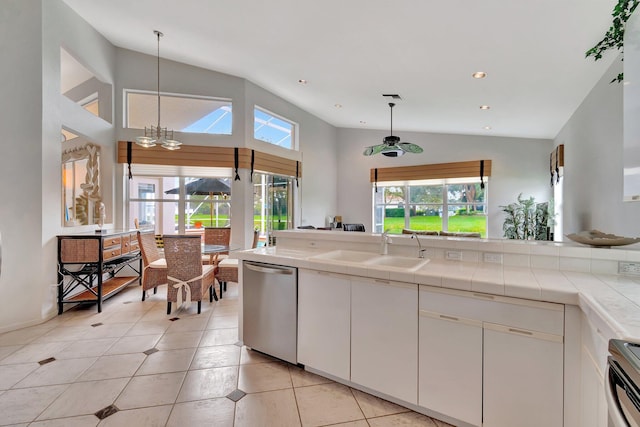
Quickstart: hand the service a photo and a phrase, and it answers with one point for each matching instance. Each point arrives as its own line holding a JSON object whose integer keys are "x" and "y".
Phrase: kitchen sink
{"x": 345, "y": 256}
{"x": 397, "y": 262}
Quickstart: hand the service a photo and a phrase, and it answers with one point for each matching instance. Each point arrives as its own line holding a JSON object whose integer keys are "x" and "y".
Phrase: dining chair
{"x": 188, "y": 279}
{"x": 154, "y": 271}
{"x": 216, "y": 236}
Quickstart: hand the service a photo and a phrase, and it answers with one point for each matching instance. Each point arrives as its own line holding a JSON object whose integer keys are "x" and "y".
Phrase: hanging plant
{"x": 614, "y": 37}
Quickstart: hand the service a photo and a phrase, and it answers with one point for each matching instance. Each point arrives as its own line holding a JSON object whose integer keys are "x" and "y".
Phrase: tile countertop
{"x": 614, "y": 299}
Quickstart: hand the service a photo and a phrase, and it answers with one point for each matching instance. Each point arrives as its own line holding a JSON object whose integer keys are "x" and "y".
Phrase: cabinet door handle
{"x": 455, "y": 319}
{"x": 520, "y": 331}
{"x": 484, "y": 296}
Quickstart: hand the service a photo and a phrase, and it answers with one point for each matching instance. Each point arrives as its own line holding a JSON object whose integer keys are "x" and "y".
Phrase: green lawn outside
{"x": 223, "y": 221}
{"x": 457, "y": 223}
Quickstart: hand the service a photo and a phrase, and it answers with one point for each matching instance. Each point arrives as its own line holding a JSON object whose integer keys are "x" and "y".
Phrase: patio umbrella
{"x": 205, "y": 187}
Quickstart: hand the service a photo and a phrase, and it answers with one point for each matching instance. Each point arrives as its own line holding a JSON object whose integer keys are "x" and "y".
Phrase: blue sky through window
{"x": 271, "y": 129}
{"x": 217, "y": 122}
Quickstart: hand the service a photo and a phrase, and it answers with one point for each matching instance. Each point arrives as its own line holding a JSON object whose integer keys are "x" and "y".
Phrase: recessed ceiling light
{"x": 338, "y": 105}
{"x": 479, "y": 75}
{"x": 302, "y": 81}
{"x": 484, "y": 107}
{"x": 487, "y": 128}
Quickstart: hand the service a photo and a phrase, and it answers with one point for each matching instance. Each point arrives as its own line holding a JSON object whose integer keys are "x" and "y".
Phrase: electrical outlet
{"x": 493, "y": 257}
{"x": 454, "y": 255}
{"x": 632, "y": 268}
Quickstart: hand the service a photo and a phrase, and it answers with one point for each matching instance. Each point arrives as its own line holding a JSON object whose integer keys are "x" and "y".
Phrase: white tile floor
{"x": 161, "y": 372}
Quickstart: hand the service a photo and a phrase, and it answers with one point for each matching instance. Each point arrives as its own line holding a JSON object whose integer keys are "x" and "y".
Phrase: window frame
{"x": 442, "y": 207}
{"x": 294, "y": 128}
{"x": 181, "y": 200}
{"x": 125, "y": 110}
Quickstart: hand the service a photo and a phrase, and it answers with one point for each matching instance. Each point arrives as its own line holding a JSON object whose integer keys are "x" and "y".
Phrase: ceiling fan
{"x": 391, "y": 145}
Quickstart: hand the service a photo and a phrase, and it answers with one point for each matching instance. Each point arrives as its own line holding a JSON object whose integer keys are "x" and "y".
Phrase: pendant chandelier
{"x": 154, "y": 135}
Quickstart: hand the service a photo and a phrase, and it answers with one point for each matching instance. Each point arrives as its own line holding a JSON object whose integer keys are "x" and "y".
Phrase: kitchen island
{"x": 482, "y": 332}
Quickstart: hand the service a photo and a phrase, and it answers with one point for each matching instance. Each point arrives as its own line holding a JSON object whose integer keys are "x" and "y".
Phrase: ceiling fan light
{"x": 391, "y": 145}
{"x": 393, "y": 152}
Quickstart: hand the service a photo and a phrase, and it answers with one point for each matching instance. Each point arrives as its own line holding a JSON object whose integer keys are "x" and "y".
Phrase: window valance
{"x": 205, "y": 156}
{"x": 479, "y": 168}
{"x": 556, "y": 164}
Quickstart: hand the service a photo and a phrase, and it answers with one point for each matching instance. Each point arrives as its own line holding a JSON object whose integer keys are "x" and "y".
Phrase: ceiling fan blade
{"x": 374, "y": 149}
{"x": 410, "y": 148}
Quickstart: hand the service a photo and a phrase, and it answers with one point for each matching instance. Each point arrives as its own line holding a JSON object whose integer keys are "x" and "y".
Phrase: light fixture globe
{"x": 145, "y": 141}
{"x": 158, "y": 134}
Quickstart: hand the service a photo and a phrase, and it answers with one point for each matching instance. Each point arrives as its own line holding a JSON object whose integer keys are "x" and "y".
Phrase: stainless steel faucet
{"x": 420, "y": 250}
{"x": 384, "y": 242}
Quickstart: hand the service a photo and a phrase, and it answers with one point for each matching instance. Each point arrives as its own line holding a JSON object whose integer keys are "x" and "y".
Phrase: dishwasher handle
{"x": 268, "y": 270}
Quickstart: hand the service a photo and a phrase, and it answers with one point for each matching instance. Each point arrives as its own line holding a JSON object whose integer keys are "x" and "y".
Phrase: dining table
{"x": 214, "y": 251}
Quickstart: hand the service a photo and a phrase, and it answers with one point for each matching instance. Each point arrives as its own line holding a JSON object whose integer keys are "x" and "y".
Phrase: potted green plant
{"x": 526, "y": 220}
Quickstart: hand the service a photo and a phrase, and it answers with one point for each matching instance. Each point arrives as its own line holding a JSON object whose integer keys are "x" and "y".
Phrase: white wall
{"x": 593, "y": 140}
{"x": 21, "y": 206}
{"x": 317, "y": 191}
{"x": 33, "y": 112}
{"x": 518, "y": 166}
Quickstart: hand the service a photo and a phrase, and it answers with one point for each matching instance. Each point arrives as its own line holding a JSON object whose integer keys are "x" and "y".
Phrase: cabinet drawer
{"x": 126, "y": 246}
{"x": 525, "y": 314}
{"x": 111, "y": 253}
{"x": 111, "y": 241}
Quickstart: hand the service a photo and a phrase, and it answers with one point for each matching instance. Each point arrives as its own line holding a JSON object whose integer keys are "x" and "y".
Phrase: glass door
{"x": 273, "y": 205}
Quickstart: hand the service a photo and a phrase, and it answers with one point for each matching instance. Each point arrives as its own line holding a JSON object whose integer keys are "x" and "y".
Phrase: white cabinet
{"x": 450, "y": 366}
{"x": 384, "y": 337}
{"x": 491, "y": 360}
{"x": 593, "y": 362}
{"x": 324, "y": 318}
{"x": 523, "y": 378}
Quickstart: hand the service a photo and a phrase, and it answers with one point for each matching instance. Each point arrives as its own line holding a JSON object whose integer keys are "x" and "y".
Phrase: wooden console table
{"x": 84, "y": 259}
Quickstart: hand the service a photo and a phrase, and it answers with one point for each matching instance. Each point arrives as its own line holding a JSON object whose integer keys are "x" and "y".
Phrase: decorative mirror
{"x": 81, "y": 193}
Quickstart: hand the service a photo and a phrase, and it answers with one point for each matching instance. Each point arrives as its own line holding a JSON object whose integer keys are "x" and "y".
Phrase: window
{"x": 176, "y": 205}
{"x": 272, "y": 203}
{"x": 455, "y": 205}
{"x": 274, "y": 130}
{"x": 179, "y": 112}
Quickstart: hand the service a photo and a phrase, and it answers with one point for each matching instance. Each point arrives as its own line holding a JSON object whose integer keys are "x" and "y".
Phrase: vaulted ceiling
{"x": 350, "y": 52}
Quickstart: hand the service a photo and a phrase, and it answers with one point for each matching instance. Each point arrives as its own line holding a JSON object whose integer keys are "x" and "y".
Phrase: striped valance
{"x": 205, "y": 156}
{"x": 474, "y": 168}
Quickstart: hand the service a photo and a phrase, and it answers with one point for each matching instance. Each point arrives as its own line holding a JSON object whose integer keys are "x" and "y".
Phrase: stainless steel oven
{"x": 623, "y": 384}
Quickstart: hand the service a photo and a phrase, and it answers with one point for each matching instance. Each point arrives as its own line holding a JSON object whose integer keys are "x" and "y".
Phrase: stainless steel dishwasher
{"x": 270, "y": 307}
